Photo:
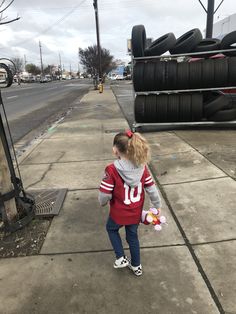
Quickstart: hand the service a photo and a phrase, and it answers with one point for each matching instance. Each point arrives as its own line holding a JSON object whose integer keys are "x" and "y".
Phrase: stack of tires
{"x": 170, "y": 75}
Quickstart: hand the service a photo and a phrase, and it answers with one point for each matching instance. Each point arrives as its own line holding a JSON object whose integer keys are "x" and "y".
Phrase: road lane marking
{"x": 11, "y": 97}
{"x": 74, "y": 84}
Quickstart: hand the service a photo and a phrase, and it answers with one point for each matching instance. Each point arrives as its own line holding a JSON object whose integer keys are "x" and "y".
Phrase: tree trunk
{"x": 6, "y": 186}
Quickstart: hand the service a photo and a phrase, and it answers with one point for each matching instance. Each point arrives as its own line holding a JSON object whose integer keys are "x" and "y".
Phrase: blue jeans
{"x": 131, "y": 238}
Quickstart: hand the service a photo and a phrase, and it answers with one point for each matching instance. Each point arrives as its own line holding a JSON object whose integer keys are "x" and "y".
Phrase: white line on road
{"x": 74, "y": 84}
{"x": 11, "y": 97}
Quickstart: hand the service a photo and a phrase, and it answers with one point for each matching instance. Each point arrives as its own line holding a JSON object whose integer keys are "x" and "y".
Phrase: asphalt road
{"x": 31, "y": 106}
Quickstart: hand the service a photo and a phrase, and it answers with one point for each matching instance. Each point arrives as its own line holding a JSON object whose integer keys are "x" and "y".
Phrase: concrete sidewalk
{"x": 189, "y": 267}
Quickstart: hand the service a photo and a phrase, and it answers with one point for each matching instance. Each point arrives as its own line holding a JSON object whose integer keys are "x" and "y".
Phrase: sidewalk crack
{"x": 42, "y": 177}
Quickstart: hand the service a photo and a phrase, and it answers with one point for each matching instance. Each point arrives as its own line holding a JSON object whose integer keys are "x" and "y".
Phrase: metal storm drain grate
{"x": 48, "y": 202}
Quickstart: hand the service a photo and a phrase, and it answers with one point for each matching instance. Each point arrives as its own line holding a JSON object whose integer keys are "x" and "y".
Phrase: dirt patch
{"x": 25, "y": 242}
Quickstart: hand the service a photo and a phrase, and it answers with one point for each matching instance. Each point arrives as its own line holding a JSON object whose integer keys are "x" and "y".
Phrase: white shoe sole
{"x": 121, "y": 266}
{"x": 135, "y": 272}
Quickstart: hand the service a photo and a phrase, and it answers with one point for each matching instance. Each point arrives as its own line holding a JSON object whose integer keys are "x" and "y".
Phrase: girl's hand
{"x": 159, "y": 212}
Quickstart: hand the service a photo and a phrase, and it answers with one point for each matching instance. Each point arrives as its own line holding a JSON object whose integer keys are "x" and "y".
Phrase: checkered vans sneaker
{"x": 137, "y": 270}
{"x": 121, "y": 262}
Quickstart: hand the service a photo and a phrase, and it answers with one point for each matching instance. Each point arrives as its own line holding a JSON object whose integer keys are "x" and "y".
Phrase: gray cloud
{"x": 59, "y": 31}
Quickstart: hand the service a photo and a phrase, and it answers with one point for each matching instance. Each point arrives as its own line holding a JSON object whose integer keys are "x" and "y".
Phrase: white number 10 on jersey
{"x": 129, "y": 194}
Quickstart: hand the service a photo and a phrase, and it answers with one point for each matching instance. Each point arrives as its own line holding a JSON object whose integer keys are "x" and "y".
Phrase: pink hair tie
{"x": 129, "y": 133}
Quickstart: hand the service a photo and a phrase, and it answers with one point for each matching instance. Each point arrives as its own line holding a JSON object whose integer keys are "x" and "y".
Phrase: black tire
{"x": 197, "y": 107}
{"x": 207, "y": 44}
{"x": 149, "y": 76}
{"x": 208, "y": 96}
{"x": 171, "y": 74}
{"x": 138, "y": 73}
{"x": 183, "y": 75}
{"x": 150, "y": 108}
{"x": 208, "y": 73}
{"x": 138, "y": 40}
{"x": 218, "y": 103}
{"x": 227, "y": 42}
{"x": 187, "y": 42}
{"x": 160, "y": 76}
{"x": 232, "y": 99}
{"x": 224, "y": 115}
{"x": 161, "y": 45}
{"x": 232, "y": 71}
{"x": 231, "y": 104}
{"x": 185, "y": 108}
{"x": 161, "y": 107}
{"x": 173, "y": 108}
{"x": 221, "y": 72}
{"x": 195, "y": 74}
{"x": 139, "y": 108}
{"x": 9, "y": 75}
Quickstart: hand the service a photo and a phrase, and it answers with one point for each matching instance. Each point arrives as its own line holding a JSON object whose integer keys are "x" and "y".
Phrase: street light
{"x": 95, "y": 5}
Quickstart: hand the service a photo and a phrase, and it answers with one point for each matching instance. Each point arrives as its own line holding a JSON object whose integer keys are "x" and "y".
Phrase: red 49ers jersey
{"x": 127, "y": 202}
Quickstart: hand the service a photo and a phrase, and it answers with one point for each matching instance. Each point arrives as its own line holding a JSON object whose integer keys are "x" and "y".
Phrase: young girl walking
{"x": 123, "y": 185}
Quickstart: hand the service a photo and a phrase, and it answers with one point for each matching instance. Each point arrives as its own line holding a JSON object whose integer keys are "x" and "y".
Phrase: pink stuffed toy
{"x": 151, "y": 216}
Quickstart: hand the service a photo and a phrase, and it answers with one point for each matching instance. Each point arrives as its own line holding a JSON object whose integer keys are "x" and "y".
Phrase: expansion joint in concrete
{"x": 217, "y": 166}
{"x": 110, "y": 250}
{"x": 192, "y": 181}
{"x": 188, "y": 244}
{"x": 82, "y": 189}
{"x": 213, "y": 242}
{"x": 168, "y": 154}
{"x": 66, "y": 162}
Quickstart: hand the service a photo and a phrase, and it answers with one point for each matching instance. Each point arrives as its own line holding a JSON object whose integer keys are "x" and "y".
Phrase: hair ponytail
{"x": 138, "y": 150}
{"x": 133, "y": 146}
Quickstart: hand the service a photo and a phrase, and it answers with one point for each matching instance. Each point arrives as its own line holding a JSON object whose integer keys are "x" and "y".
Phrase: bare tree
{"x": 18, "y": 64}
{"x": 89, "y": 59}
{"x": 4, "y": 5}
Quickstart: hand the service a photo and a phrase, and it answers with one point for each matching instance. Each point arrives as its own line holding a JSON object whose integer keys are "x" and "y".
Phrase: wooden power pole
{"x": 16, "y": 207}
{"x": 6, "y": 186}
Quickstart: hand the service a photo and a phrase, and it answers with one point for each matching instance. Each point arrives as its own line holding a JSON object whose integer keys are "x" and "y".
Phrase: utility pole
{"x": 60, "y": 66}
{"x": 25, "y": 62}
{"x": 210, "y": 11}
{"x": 7, "y": 172}
{"x": 98, "y": 40}
{"x": 210, "y": 18}
{"x": 41, "y": 59}
{"x": 6, "y": 186}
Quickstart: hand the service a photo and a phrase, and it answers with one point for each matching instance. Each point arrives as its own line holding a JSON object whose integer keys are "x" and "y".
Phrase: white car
{"x": 116, "y": 76}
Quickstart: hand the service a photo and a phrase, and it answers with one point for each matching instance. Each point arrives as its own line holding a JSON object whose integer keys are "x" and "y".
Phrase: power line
{"x": 103, "y": 5}
{"x": 89, "y": 5}
{"x": 52, "y": 25}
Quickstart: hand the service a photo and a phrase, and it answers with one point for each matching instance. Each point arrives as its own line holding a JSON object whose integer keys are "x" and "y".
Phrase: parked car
{"x": 43, "y": 79}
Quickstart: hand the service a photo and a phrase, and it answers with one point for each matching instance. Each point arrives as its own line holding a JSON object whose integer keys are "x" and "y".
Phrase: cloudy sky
{"x": 63, "y": 26}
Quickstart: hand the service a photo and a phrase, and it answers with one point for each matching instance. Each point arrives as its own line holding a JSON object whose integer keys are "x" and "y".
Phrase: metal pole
{"x": 210, "y": 18}
{"x": 25, "y": 62}
{"x": 41, "y": 59}
{"x": 60, "y": 66}
{"x": 98, "y": 40}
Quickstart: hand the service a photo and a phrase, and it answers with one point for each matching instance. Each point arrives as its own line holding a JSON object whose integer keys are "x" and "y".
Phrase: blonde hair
{"x": 133, "y": 146}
